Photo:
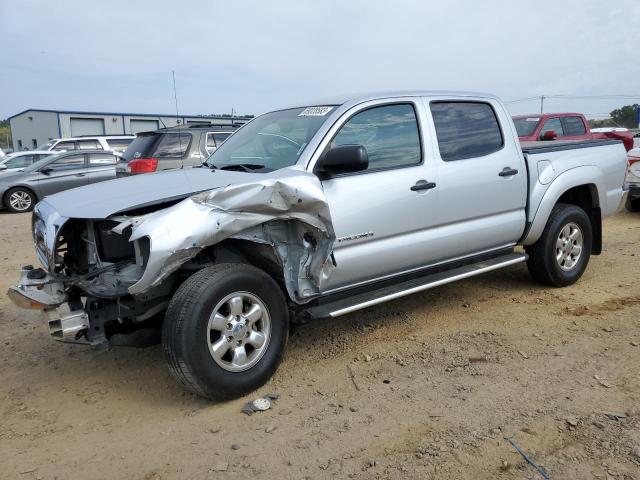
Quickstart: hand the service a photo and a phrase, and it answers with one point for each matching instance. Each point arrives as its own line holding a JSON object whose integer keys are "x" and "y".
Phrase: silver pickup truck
{"x": 314, "y": 211}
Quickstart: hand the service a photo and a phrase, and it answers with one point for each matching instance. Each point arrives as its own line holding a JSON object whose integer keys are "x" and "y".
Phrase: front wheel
{"x": 19, "y": 200}
{"x": 561, "y": 254}
{"x": 225, "y": 330}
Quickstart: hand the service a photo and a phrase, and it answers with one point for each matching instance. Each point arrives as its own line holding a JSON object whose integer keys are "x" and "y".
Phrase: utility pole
{"x": 541, "y": 104}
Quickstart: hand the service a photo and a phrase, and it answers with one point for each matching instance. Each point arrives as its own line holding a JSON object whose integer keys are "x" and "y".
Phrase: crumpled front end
{"x": 122, "y": 270}
{"x": 290, "y": 210}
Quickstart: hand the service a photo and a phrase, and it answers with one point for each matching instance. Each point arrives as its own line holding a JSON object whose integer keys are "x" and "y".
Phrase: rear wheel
{"x": 19, "y": 200}
{"x": 562, "y": 253}
{"x": 225, "y": 330}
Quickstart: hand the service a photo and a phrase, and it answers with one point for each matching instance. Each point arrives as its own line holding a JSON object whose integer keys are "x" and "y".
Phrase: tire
{"x": 553, "y": 259}
{"x": 633, "y": 204}
{"x": 19, "y": 200}
{"x": 191, "y": 331}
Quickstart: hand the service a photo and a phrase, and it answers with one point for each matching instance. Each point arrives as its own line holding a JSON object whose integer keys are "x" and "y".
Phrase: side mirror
{"x": 3, "y": 167}
{"x": 549, "y": 135}
{"x": 343, "y": 159}
{"x": 46, "y": 170}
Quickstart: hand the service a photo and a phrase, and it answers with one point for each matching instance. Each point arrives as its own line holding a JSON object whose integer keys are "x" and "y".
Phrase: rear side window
{"x": 573, "y": 126}
{"x": 141, "y": 147}
{"x": 89, "y": 145}
{"x": 216, "y": 139}
{"x": 64, "y": 146}
{"x": 389, "y": 133}
{"x": 119, "y": 144}
{"x": 466, "y": 129}
{"x": 553, "y": 125}
{"x": 172, "y": 145}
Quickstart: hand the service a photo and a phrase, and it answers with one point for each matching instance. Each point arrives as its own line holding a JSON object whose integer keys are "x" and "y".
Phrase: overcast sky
{"x": 256, "y": 55}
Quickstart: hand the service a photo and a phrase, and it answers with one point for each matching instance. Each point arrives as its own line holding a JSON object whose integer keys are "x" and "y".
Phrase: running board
{"x": 374, "y": 297}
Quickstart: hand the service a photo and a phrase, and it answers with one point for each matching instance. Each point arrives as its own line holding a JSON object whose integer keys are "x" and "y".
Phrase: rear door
{"x": 102, "y": 166}
{"x": 68, "y": 171}
{"x": 482, "y": 186}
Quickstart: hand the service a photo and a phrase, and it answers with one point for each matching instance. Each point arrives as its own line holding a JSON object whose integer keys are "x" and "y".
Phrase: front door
{"x": 68, "y": 171}
{"x": 378, "y": 219}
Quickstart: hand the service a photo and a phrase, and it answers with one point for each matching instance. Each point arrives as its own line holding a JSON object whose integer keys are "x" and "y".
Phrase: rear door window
{"x": 64, "y": 146}
{"x": 215, "y": 139}
{"x": 389, "y": 133}
{"x": 466, "y": 129}
{"x": 573, "y": 126}
{"x": 119, "y": 144}
{"x": 172, "y": 145}
{"x": 553, "y": 125}
{"x": 89, "y": 145}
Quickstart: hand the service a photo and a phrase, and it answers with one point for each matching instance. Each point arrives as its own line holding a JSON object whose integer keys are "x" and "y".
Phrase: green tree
{"x": 626, "y": 116}
{"x": 5, "y": 134}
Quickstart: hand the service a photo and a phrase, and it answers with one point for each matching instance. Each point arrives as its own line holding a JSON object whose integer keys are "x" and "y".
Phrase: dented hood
{"x": 100, "y": 200}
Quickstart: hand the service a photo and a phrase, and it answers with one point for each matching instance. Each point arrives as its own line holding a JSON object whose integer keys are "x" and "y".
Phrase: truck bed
{"x": 557, "y": 146}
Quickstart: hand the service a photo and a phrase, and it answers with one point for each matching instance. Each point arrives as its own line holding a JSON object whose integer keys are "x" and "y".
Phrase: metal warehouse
{"x": 34, "y": 127}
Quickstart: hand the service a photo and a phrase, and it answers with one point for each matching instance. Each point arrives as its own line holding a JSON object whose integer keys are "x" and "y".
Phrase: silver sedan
{"x": 21, "y": 190}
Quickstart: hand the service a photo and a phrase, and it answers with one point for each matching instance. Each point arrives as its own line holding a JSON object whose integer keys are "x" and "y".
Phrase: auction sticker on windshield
{"x": 315, "y": 111}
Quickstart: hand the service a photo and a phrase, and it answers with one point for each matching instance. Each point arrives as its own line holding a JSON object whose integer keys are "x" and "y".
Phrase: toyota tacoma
{"x": 313, "y": 211}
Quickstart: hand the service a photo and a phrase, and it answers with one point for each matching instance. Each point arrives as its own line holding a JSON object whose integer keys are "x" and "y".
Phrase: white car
{"x": 19, "y": 160}
{"x": 114, "y": 143}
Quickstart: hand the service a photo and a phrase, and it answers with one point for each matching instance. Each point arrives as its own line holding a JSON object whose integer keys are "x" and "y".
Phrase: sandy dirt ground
{"x": 425, "y": 387}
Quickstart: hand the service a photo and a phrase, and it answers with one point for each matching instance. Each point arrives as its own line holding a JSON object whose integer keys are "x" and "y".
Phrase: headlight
{"x": 39, "y": 230}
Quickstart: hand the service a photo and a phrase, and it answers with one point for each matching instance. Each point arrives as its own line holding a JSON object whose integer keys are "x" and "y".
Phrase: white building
{"x": 35, "y": 127}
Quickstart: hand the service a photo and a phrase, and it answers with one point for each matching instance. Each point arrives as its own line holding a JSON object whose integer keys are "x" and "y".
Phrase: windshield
{"x": 525, "y": 126}
{"x": 271, "y": 141}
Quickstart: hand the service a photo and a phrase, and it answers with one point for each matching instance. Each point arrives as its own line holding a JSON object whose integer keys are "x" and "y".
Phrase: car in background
{"x": 564, "y": 126}
{"x": 21, "y": 160}
{"x": 632, "y": 180}
{"x": 114, "y": 143}
{"x": 21, "y": 190}
{"x": 174, "y": 147}
{"x": 2, "y": 154}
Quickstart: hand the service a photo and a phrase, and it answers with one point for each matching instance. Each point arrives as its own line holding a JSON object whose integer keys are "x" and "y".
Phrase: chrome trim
{"x": 426, "y": 286}
{"x": 422, "y": 267}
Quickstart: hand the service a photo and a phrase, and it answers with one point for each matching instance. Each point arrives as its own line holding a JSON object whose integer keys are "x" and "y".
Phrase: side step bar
{"x": 374, "y": 297}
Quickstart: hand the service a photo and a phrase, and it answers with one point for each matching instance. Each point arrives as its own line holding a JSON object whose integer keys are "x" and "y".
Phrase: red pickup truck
{"x": 564, "y": 126}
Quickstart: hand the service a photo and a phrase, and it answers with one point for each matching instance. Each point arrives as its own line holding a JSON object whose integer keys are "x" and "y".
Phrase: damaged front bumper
{"x": 37, "y": 290}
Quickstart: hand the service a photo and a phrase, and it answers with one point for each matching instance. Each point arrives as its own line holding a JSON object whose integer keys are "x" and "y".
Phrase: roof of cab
{"x": 356, "y": 98}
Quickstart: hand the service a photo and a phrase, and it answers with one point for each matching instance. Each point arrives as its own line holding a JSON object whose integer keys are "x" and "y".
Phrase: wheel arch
{"x": 575, "y": 187}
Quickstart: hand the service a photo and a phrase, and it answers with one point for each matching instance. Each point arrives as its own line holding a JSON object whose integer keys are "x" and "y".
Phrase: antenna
{"x": 175, "y": 97}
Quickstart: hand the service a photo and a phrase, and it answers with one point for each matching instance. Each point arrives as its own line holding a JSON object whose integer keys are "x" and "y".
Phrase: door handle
{"x": 508, "y": 171}
{"x": 423, "y": 185}
{"x": 80, "y": 174}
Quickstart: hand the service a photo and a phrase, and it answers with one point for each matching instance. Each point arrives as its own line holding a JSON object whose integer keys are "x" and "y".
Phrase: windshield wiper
{"x": 245, "y": 167}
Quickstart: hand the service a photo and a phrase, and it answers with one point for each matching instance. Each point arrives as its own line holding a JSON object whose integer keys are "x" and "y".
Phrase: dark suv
{"x": 175, "y": 147}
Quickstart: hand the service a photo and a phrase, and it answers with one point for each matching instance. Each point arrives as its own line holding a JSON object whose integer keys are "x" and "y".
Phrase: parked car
{"x": 564, "y": 126}
{"x": 314, "y": 211}
{"x": 113, "y": 143}
{"x": 21, "y": 160}
{"x": 19, "y": 191}
{"x": 2, "y": 154}
{"x": 177, "y": 147}
{"x": 632, "y": 180}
